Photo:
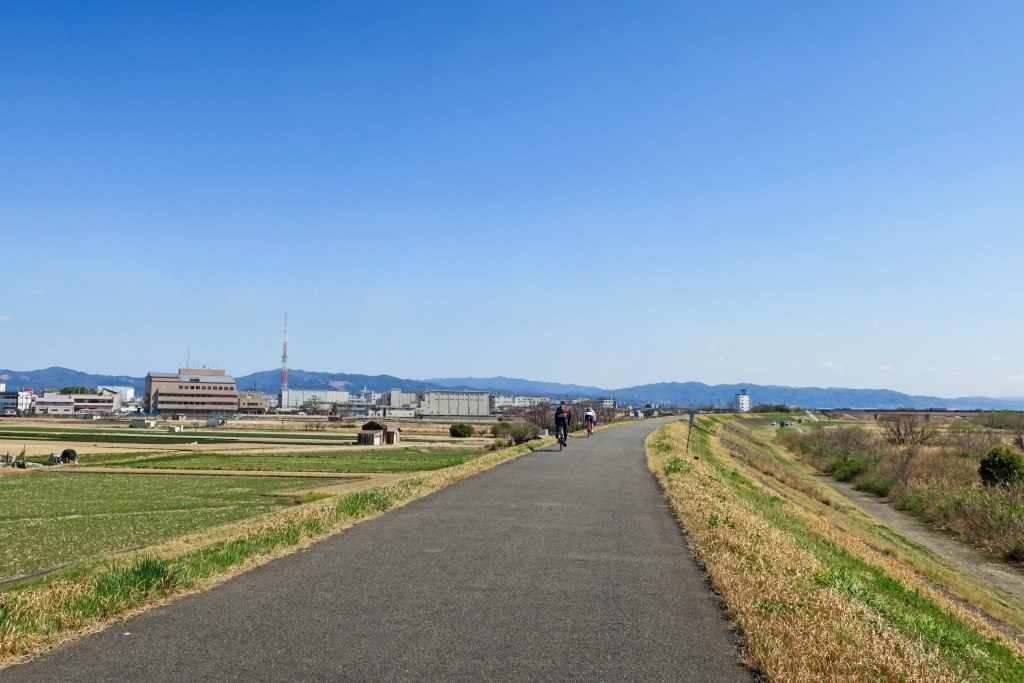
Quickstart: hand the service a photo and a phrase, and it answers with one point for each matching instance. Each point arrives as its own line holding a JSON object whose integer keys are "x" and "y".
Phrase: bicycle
{"x": 590, "y": 428}
{"x": 561, "y": 437}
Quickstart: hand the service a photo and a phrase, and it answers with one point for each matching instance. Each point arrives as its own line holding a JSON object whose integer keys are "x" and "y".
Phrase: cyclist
{"x": 590, "y": 417}
{"x": 562, "y": 415}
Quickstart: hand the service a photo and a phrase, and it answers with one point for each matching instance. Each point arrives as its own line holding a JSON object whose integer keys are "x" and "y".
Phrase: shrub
{"x": 461, "y": 430}
{"x": 1001, "y": 467}
{"x": 848, "y": 468}
{"x": 517, "y": 432}
{"x": 875, "y": 484}
{"x": 1015, "y": 553}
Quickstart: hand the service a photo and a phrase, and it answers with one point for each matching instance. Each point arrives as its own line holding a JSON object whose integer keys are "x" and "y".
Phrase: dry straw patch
{"x": 797, "y": 625}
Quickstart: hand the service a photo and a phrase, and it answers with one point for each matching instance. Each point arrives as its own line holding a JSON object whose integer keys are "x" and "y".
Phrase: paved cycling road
{"x": 557, "y": 566}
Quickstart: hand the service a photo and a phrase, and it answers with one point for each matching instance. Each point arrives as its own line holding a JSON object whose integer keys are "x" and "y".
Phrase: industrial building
{"x": 456, "y": 403}
{"x": 300, "y": 398}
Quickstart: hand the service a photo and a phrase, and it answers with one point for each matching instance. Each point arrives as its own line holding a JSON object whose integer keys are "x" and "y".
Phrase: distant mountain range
{"x": 678, "y": 393}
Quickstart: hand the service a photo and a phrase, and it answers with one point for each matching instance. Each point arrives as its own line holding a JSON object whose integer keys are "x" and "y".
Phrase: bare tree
{"x": 906, "y": 430}
{"x": 903, "y": 464}
{"x": 315, "y": 405}
{"x": 967, "y": 439}
{"x": 541, "y": 414}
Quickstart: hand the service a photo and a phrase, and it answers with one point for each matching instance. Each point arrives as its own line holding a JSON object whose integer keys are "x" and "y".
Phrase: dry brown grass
{"x": 796, "y": 628}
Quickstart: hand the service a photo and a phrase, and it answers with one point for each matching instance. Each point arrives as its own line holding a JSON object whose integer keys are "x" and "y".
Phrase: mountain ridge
{"x": 677, "y": 393}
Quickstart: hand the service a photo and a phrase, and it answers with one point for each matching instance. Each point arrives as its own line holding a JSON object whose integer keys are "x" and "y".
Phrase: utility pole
{"x": 688, "y": 432}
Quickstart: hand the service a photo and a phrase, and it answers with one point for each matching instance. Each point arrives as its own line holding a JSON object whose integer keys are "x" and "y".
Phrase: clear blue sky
{"x": 603, "y": 193}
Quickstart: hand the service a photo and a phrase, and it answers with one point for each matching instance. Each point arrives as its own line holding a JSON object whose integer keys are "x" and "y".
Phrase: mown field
{"x": 49, "y": 518}
{"x": 368, "y": 461}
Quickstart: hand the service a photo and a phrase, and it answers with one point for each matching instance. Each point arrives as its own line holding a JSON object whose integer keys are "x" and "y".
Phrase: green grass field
{"x": 48, "y": 519}
{"x": 139, "y": 436}
{"x": 374, "y": 461}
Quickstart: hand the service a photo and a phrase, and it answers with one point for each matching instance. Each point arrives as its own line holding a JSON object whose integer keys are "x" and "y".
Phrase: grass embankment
{"x": 39, "y": 614}
{"x": 936, "y": 480}
{"x": 813, "y": 602}
{"x": 364, "y": 461}
{"x": 743, "y": 439}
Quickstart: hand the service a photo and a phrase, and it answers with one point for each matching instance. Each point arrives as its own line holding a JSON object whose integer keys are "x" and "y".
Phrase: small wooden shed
{"x": 377, "y": 434}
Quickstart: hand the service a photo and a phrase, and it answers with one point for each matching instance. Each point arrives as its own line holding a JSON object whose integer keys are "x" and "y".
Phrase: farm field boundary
{"x": 44, "y": 612}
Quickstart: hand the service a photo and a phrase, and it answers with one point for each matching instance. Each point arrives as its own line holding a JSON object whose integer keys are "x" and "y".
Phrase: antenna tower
{"x": 284, "y": 368}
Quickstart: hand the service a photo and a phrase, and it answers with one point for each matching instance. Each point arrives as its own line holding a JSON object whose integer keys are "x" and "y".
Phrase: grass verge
{"x": 39, "y": 614}
{"x": 813, "y": 602}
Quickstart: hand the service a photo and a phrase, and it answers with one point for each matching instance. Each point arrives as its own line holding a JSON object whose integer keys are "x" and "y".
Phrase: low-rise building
{"x": 252, "y": 403}
{"x": 126, "y": 394}
{"x": 301, "y": 398}
{"x": 52, "y": 404}
{"x": 378, "y": 434}
{"x": 191, "y": 392}
{"x": 103, "y": 401}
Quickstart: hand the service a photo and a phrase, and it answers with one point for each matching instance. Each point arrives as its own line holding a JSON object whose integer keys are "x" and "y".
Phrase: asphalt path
{"x": 557, "y": 566}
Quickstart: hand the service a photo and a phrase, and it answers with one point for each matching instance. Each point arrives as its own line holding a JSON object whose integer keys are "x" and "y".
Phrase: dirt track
{"x": 1000, "y": 574}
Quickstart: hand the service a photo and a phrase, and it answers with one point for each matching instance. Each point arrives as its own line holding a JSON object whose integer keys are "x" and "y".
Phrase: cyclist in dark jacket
{"x": 562, "y": 417}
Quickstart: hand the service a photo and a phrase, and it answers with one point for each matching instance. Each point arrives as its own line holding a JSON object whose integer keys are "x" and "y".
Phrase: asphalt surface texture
{"x": 557, "y": 566}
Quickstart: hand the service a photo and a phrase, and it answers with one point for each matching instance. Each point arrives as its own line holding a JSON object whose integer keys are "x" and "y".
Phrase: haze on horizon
{"x": 580, "y": 192}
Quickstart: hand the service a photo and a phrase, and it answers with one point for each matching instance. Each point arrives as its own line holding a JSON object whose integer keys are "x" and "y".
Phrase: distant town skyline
{"x": 586, "y": 193}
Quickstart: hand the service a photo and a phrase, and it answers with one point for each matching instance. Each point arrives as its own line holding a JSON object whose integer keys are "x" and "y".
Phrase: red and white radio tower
{"x": 284, "y": 368}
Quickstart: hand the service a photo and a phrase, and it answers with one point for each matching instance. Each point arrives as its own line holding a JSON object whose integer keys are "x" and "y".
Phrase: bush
{"x": 461, "y": 430}
{"x": 848, "y": 468}
{"x": 521, "y": 432}
{"x": 1001, "y": 467}
{"x": 1015, "y": 553}
{"x": 875, "y": 484}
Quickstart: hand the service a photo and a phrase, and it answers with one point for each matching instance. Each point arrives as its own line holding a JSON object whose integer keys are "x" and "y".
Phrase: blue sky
{"x": 610, "y": 194}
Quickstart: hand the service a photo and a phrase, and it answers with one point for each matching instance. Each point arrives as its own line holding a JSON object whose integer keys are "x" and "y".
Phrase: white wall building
{"x": 297, "y": 398}
{"x": 499, "y": 401}
{"x": 396, "y": 398}
{"x": 456, "y": 403}
{"x": 52, "y": 404}
{"x": 127, "y": 394}
{"x": 743, "y": 401}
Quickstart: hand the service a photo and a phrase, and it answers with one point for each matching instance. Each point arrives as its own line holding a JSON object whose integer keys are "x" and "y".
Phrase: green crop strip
{"x": 35, "y": 613}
